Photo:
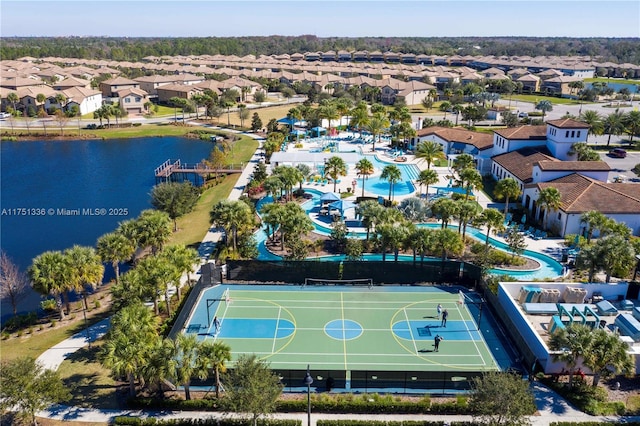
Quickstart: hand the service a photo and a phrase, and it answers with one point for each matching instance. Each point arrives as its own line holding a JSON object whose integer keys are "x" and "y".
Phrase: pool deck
{"x": 548, "y": 246}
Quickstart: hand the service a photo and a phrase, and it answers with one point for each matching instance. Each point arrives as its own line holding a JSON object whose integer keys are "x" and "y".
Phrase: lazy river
{"x": 549, "y": 267}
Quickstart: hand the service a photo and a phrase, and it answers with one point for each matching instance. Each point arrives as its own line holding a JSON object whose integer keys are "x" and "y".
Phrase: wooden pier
{"x": 176, "y": 171}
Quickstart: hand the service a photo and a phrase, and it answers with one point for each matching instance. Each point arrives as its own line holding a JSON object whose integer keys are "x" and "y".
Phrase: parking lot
{"x": 622, "y": 166}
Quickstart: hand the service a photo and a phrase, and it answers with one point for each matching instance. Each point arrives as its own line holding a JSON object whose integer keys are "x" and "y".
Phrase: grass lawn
{"x": 265, "y": 114}
{"x": 611, "y": 80}
{"x": 34, "y": 346}
{"x": 534, "y": 99}
{"x": 89, "y": 382}
{"x": 194, "y": 226}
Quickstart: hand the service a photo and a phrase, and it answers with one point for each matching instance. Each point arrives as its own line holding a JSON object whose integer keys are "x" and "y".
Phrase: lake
{"x": 54, "y": 194}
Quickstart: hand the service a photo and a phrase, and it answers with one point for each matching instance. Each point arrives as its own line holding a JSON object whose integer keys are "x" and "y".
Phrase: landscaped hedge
{"x": 391, "y": 423}
{"x": 322, "y": 403}
{"x": 593, "y": 423}
{"x": 135, "y": 421}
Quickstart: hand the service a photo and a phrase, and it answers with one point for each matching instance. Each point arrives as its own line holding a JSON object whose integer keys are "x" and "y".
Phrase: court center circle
{"x": 343, "y": 329}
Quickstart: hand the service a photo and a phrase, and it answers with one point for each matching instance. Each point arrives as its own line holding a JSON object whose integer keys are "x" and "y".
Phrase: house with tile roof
{"x": 110, "y": 87}
{"x": 457, "y": 141}
{"x": 87, "y": 100}
{"x": 580, "y": 194}
{"x": 518, "y": 164}
{"x": 133, "y": 100}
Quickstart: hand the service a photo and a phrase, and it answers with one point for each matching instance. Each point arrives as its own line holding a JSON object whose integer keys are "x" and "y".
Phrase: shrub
{"x": 96, "y": 304}
{"x": 137, "y": 124}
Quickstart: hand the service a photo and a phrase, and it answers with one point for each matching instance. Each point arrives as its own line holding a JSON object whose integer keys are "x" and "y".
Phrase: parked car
{"x": 618, "y": 153}
{"x": 523, "y": 115}
{"x": 4, "y": 115}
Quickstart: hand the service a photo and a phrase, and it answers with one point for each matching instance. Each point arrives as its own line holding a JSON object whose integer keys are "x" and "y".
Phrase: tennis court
{"x": 347, "y": 332}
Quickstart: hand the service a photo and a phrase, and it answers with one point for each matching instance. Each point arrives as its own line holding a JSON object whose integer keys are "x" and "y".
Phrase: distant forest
{"x": 618, "y": 50}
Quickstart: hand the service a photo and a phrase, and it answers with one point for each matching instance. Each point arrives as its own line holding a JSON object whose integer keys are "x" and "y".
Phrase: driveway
{"x": 622, "y": 166}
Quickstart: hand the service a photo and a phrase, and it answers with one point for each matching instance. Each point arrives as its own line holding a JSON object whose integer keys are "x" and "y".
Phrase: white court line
{"x": 484, "y": 363}
{"x": 275, "y": 336}
{"x": 410, "y": 331}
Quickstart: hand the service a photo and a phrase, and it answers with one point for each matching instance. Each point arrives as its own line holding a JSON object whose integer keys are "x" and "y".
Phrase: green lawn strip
{"x": 193, "y": 227}
{"x": 611, "y": 80}
{"x": 90, "y": 383}
{"x": 534, "y": 99}
{"x": 34, "y": 346}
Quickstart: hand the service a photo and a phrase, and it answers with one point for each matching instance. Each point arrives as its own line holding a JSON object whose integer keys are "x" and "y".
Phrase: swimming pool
{"x": 549, "y": 267}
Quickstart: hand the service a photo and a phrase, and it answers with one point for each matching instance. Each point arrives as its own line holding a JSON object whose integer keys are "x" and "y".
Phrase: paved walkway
{"x": 551, "y": 407}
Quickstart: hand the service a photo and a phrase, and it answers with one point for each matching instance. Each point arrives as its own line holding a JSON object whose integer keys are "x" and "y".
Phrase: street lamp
{"x": 307, "y": 381}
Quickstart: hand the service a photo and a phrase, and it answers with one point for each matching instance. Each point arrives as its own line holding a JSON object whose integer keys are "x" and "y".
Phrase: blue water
{"x": 87, "y": 174}
{"x": 378, "y": 186}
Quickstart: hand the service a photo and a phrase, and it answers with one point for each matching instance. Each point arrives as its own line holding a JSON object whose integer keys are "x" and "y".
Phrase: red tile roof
{"x": 477, "y": 139}
{"x": 581, "y": 194}
{"x": 520, "y": 163}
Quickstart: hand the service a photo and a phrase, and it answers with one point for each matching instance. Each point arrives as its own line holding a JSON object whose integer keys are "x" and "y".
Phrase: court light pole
{"x": 307, "y": 381}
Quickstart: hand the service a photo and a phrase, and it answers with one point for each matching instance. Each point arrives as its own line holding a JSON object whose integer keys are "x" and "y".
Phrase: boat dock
{"x": 176, "y": 171}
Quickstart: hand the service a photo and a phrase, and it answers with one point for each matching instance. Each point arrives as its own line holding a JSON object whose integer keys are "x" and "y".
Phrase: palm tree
{"x": 427, "y": 177}
{"x": 13, "y": 99}
{"x": 343, "y": 106}
{"x": 115, "y": 248}
{"x": 184, "y": 259}
{"x": 462, "y": 162}
{"x": 365, "y": 169}
{"x": 232, "y": 215}
{"x": 444, "y": 209}
{"x": 86, "y": 268}
{"x": 493, "y": 220}
{"x": 467, "y": 212}
{"x": 631, "y": 122}
{"x": 447, "y": 242}
{"x": 508, "y": 189}
{"x": 359, "y": 116}
{"x": 376, "y": 125}
{"x": 429, "y": 151}
{"x": 470, "y": 179}
{"x": 334, "y": 168}
{"x": 128, "y": 344}
{"x": 595, "y": 221}
{"x": 49, "y": 276}
{"x": 289, "y": 176}
{"x": 549, "y": 199}
{"x": 391, "y": 174}
{"x": 593, "y": 119}
{"x": 545, "y": 106}
{"x": 613, "y": 124}
{"x": 154, "y": 228}
{"x": 392, "y": 235}
{"x": 570, "y": 344}
{"x": 607, "y": 355}
{"x": 184, "y": 361}
{"x": 156, "y": 273}
{"x": 215, "y": 355}
{"x": 370, "y": 212}
{"x": 329, "y": 112}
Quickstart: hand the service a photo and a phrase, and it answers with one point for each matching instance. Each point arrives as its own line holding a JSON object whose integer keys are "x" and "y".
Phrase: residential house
{"x": 110, "y": 87}
{"x": 562, "y": 134}
{"x": 414, "y": 92}
{"x": 88, "y": 100}
{"x": 559, "y": 86}
{"x": 530, "y": 83}
{"x": 151, "y": 83}
{"x": 457, "y": 141}
{"x": 132, "y": 100}
{"x": 518, "y": 164}
{"x": 168, "y": 91}
{"x": 580, "y": 194}
{"x": 70, "y": 82}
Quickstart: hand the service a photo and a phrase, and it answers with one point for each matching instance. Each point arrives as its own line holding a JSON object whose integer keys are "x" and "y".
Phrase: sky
{"x": 344, "y": 18}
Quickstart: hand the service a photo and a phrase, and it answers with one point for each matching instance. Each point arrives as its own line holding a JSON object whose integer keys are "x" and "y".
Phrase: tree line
{"x": 619, "y": 50}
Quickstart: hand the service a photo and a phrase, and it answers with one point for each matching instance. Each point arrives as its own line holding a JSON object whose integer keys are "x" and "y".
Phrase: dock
{"x": 176, "y": 171}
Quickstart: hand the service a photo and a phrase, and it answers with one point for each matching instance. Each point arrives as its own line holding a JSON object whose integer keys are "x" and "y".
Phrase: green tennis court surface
{"x": 344, "y": 329}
